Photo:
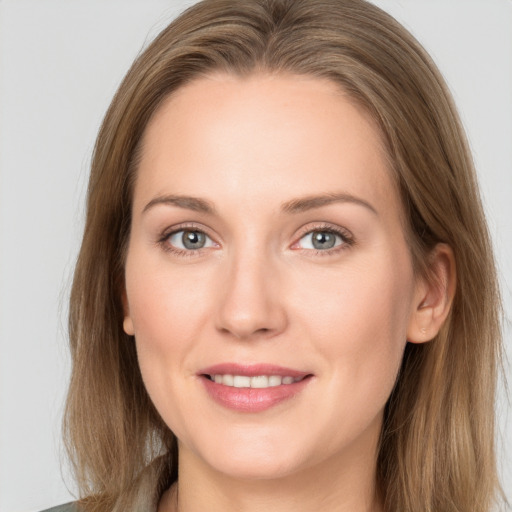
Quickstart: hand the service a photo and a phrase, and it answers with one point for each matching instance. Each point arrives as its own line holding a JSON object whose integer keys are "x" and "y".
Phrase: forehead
{"x": 262, "y": 137}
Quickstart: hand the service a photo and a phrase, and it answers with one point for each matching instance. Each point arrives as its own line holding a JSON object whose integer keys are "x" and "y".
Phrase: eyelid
{"x": 345, "y": 235}
{"x": 175, "y": 234}
{"x": 163, "y": 239}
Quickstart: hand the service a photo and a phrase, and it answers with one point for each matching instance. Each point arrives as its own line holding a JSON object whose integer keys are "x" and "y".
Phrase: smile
{"x": 253, "y": 388}
{"x": 257, "y": 381}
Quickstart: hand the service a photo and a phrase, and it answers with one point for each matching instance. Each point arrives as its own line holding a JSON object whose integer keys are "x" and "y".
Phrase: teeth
{"x": 258, "y": 381}
{"x": 228, "y": 380}
{"x": 274, "y": 380}
{"x": 241, "y": 381}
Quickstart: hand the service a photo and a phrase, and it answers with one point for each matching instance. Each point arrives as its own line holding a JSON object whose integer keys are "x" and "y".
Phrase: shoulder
{"x": 67, "y": 507}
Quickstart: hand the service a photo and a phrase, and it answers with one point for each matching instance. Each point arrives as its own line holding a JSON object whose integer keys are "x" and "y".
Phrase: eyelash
{"x": 163, "y": 241}
{"x": 346, "y": 238}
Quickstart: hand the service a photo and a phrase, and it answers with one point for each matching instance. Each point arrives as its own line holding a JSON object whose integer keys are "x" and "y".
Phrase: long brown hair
{"x": 437, "y": 443}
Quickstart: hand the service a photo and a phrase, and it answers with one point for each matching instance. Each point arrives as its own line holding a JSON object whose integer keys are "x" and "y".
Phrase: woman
{"x": 285, "y": 296}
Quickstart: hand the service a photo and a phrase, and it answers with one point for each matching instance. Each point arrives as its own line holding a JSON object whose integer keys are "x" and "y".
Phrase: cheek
{"x": 360, "y": 320}
{"x": 167, "y": 313}
{"x": 166, "y": 317}
{"x": 361, "y": 307}
{"x": 164, "y": 306}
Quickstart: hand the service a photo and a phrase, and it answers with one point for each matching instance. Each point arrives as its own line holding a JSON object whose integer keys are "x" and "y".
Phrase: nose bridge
{"x": 250, "y": 303}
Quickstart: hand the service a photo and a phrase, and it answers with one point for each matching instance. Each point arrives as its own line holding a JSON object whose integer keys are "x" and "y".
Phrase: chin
{"x": 261, "y": 469}
{"x": 257, "y": 460}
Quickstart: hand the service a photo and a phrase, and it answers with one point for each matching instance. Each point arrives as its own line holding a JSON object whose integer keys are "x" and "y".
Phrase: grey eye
{"x": 320, "y": 240}
{"x": 190, "y": 240}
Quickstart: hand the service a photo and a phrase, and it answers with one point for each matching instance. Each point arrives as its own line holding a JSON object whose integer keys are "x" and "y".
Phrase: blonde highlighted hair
{"x": 436, "y": 449}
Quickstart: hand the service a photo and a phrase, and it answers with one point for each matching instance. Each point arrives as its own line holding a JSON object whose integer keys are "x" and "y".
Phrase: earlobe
{"x": 433, "y": 296}
{"x": 127, "y": 321}
{"x": 128, "y": 326}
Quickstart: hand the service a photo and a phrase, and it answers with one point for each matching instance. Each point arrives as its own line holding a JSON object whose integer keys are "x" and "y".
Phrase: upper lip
{"x": 252, "y": 370}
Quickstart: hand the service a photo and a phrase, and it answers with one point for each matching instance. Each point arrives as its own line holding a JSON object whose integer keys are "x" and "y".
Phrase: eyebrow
{"x": 293, "y": 206}
{"x": 190, "y": 203}
{"x": 310, "y": 202}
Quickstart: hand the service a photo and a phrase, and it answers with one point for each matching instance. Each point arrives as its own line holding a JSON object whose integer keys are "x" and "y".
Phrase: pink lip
{"x": 251, "y": 370}
{"x": 252, "y": 399}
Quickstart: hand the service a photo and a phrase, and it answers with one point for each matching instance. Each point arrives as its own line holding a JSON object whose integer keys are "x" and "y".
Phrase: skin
{"x": 259, "y": 292}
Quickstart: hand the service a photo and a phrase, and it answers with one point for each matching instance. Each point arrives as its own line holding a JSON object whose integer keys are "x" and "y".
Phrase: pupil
{"x": 323, "y": 240}
{"x": 193, "y": 239}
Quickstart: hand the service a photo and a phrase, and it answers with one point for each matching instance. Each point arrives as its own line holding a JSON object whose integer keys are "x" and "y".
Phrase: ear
{"x": 433, "y": 296}
{"x": 127, "y": 321}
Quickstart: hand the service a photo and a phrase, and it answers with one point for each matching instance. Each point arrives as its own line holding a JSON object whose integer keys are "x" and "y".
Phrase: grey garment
{"x": 67, "y": 507}
{"x": 143, "y": 496}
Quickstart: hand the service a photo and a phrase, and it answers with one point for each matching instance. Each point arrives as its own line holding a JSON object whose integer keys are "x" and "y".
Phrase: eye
{"x": 189, "y": 240}
{"x": 324, "y": 239}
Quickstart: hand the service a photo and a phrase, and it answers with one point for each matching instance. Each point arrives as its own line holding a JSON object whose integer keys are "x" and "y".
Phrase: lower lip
{"x": 252, "y": 399}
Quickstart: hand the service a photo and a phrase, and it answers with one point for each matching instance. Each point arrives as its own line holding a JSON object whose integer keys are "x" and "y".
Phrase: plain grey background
{"x": 60, "y": 64}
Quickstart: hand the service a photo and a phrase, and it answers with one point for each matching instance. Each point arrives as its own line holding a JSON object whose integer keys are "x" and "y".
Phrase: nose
{"x": 251, "y": 301}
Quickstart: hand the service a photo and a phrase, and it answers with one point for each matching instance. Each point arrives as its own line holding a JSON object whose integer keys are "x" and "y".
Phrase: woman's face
{"x": 267, "y": 239}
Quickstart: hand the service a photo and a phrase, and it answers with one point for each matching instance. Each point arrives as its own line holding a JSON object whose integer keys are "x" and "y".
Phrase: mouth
{"x": 252, "y": 388}
{"x": 255, "y": 382}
